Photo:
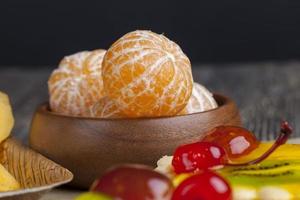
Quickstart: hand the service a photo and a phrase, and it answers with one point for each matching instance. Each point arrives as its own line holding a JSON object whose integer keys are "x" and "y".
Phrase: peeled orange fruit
{"x": 147, "y": 75}
{"x": 77, "y": 83}
{"x": 106, "y": 108}
{"x": 6, "y": 117}
{"x": 200, "y": 101}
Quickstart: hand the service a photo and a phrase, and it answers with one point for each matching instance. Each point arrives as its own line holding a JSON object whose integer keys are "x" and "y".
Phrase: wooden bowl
{"x": 88, "y": 146}
{"x": 35, "y": 173}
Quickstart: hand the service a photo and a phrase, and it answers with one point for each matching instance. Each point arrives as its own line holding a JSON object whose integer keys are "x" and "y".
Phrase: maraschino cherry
{"x": 204, "y": 155}
{"x": 197, "y": 156}
{"x": 236, "y": 141}
{"x": 206, "y": 185}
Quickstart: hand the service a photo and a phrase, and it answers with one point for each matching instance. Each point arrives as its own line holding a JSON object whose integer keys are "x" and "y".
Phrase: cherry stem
{"x": 285, "y": 131}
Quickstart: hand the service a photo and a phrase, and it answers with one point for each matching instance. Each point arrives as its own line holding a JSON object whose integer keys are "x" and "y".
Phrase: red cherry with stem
{"x": 206, "y": 185}
{"x": 285, "y": 131}
{"x": 197, "y": 156}
{"x": 236, "y": 141}
{"x": 203, "y": 155}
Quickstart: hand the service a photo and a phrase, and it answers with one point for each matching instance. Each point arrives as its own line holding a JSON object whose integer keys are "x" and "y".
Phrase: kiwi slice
{"x": 277, "y": 176}
{"x": 269, "y": 172}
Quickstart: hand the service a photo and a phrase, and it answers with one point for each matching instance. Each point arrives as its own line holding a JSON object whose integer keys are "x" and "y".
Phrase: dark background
{"x": 38, "y": 33}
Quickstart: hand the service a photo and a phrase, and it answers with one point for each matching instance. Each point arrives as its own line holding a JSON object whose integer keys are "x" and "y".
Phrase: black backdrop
{"x": 37, "y": 32}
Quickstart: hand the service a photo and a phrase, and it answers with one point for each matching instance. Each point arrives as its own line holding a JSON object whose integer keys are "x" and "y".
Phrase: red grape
{"x": 130, "y": 182}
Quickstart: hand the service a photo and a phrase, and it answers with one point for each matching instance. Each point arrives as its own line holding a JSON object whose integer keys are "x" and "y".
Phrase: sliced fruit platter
{"x": 24, "y": 174}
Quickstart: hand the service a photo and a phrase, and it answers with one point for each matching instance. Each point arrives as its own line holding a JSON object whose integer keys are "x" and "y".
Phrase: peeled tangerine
{"x": 147, "y": 75}
{"x": 77, "y": 83}
{"x": 6, "y": 117}
{"x": 200, "y": 101}
{"x": 105, "y": 108}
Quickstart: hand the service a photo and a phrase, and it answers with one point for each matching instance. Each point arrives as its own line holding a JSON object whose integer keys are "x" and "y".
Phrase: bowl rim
{"x": 222, "y": 101}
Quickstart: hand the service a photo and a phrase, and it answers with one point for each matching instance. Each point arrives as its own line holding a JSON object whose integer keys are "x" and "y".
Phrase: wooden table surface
{"x": 266, "y": 93}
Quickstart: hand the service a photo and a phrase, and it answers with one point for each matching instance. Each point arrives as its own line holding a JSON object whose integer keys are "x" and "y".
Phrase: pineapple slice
{"x": 7, "y": 181}
{"x": 6, "y": 117}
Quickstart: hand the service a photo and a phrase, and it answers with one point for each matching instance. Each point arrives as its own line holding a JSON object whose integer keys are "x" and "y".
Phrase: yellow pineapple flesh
{"x": 7, "y": 181}
{"x": 6, "y": 117}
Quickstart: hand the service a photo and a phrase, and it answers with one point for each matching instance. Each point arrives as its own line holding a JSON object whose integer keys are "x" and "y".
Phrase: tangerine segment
{"x": 147, "y": 75}
{"x": 200, "y": 101}
{"x": 77, "y": 83}
{"x": 105, "y": 108}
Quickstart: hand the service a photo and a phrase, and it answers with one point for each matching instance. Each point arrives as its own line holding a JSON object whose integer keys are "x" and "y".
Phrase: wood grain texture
{"x": 35, "y": 173}
{"x": 264, "y": 92}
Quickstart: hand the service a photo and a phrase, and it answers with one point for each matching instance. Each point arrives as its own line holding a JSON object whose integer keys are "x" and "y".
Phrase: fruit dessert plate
{"x": 24, "y": 174}
{"x": 227, "y": 164}
{"x": 253, "y": 170}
